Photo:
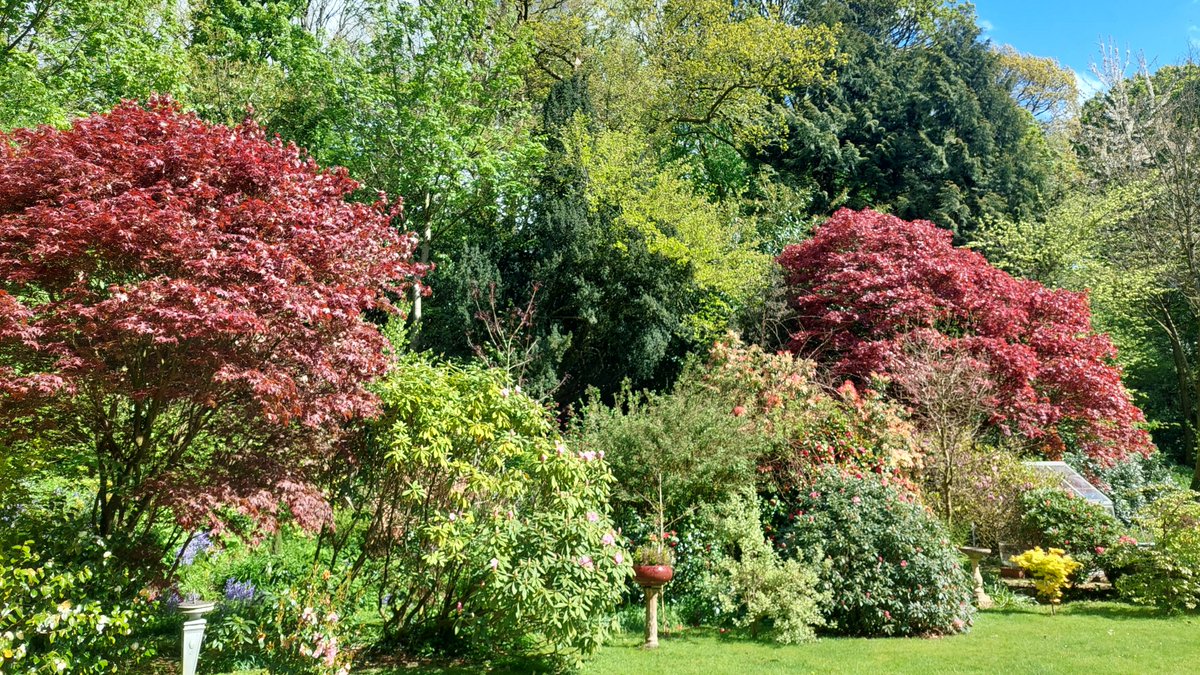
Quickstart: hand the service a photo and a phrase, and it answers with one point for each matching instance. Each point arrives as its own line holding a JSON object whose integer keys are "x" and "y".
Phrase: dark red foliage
{"x": 867, "y": 281}
{"x": 186, "y": 301}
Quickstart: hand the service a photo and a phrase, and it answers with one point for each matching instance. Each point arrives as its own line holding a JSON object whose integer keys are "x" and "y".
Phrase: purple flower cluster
{"x": 199, "y": 543}
{"x": 239, "y": 591}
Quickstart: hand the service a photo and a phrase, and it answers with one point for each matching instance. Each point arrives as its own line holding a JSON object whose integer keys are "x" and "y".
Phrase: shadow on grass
{"x": 1124, "y": 612}
{"x": 1106, "y": 610}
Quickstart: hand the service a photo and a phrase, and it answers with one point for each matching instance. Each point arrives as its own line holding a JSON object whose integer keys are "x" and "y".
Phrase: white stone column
{"x": 193, "y": 632}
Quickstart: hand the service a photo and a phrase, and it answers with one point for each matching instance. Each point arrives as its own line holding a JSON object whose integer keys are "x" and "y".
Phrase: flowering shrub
{"x": 1057, "y": 518}
{"x": 49, "y": 624}
{"x": 887, "y": 563}
{"x": 1050, "y": 569}
{"x": 865, "y": 281}
{"x": 777, "y": 395}
{"x": 295, "y": 628}
{"x": 1168, "y": 574}
{"x": 483, "y": 529}
{"x": 752, "y": 586}
{"x": 986, "y": 494}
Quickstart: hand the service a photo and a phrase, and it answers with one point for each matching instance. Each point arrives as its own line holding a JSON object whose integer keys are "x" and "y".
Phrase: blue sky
{"x": 1070, "y": 30}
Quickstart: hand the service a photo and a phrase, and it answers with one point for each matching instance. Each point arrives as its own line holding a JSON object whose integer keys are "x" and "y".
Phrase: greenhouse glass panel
{"x": 1074, "y": 482}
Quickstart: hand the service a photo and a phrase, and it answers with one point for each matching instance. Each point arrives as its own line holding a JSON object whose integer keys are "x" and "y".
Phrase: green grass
{"x": 1084, "y": 637}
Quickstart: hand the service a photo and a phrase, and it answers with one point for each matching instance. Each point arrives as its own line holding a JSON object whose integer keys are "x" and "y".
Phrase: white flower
{"x": 494, "y": 563}
{"x": 453, "y": 516}
{"x": 101, "y": 623}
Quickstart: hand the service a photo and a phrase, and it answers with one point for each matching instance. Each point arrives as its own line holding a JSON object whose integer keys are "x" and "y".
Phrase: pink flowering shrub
{"x": 1054, "y": 517}
{"x": 985, "y": 490}
{"x": 807, "y": 424}
{"x": 887, "y": 562}
{"x": 298, "y": 627}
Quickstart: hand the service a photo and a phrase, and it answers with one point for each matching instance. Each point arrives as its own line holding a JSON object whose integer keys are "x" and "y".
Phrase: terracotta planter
{"x": 652, "y": 575}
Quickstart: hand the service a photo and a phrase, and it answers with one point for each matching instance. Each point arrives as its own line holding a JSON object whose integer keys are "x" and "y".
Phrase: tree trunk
{"x": 426, "y": 235}
{"x": 1196, "y": 470}
{"x": 1183, "y": 384}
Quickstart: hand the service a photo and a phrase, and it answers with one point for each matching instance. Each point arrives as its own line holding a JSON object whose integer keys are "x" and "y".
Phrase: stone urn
{"x": 652, "y": 578}
{"x": 982, "y": 599}
{"x": 193, "y": 631}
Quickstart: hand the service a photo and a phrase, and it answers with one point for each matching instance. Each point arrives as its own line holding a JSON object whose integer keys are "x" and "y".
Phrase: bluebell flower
{"x": 199, "y": 543}
{"x": 239, "y": 591}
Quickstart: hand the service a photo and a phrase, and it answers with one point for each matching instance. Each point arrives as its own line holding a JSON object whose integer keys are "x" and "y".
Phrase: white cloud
{"x": 986, "y": 26}
{"x": 1088, "y": 84}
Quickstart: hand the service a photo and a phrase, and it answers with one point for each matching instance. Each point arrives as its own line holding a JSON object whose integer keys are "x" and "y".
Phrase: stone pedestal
{"x": 651, "y": 616}
{"x": 652, "y": 578}
{"x": 982, "y": 599}
{"x": 193, "y": 632}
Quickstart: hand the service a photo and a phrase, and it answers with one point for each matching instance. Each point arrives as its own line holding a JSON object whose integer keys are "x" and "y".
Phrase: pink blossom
{"x": 585, "y": 561}
{"x": 904, "y": 563}
{"x": 592, "y": 517}
{"x": 608, "y": 539}
{"x": 494, "y": 563}
{"x": 618, "y": 558}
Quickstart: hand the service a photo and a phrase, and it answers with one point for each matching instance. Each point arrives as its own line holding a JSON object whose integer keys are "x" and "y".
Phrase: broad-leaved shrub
{"x": 481, "y": 530}
{"x": 887, "y": 562}
{"x": 1059, "y": 519}
{"x": 754, "y": 587}
{"x": 1167, "y": 574}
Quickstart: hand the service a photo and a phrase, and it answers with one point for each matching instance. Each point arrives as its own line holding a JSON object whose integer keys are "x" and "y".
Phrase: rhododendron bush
{"x": 479, "y": 528}
{"x": 866, "y": 282}
{"x": 182, "y": 306}
{"x": 810, "y": 425}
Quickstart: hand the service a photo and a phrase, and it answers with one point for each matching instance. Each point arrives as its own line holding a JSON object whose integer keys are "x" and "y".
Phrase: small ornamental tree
{"x": 866, "y": 281}
{"x": 182, "y": 306}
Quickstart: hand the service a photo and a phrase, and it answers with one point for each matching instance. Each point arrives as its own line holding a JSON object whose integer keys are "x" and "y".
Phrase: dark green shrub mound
{"x": 1055, "y": 518}
{"x": 887, "y": 563}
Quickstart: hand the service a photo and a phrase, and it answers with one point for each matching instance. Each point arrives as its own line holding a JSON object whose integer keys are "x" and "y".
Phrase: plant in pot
{"x": 652, "y": 562}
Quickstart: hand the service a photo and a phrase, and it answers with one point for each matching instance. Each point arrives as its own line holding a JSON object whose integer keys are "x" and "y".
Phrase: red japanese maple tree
{"x": 182, "y": 304}
{"x": 868, "y": 283}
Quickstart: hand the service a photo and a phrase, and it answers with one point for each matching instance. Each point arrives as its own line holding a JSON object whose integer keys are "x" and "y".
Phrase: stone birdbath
{"x": 982, "y": 599}
{"x": 652, "y": 578}
{"x": 193, "y": 631}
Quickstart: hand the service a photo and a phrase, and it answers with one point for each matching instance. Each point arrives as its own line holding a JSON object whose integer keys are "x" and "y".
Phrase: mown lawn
{"x": 1084, "y": 637}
